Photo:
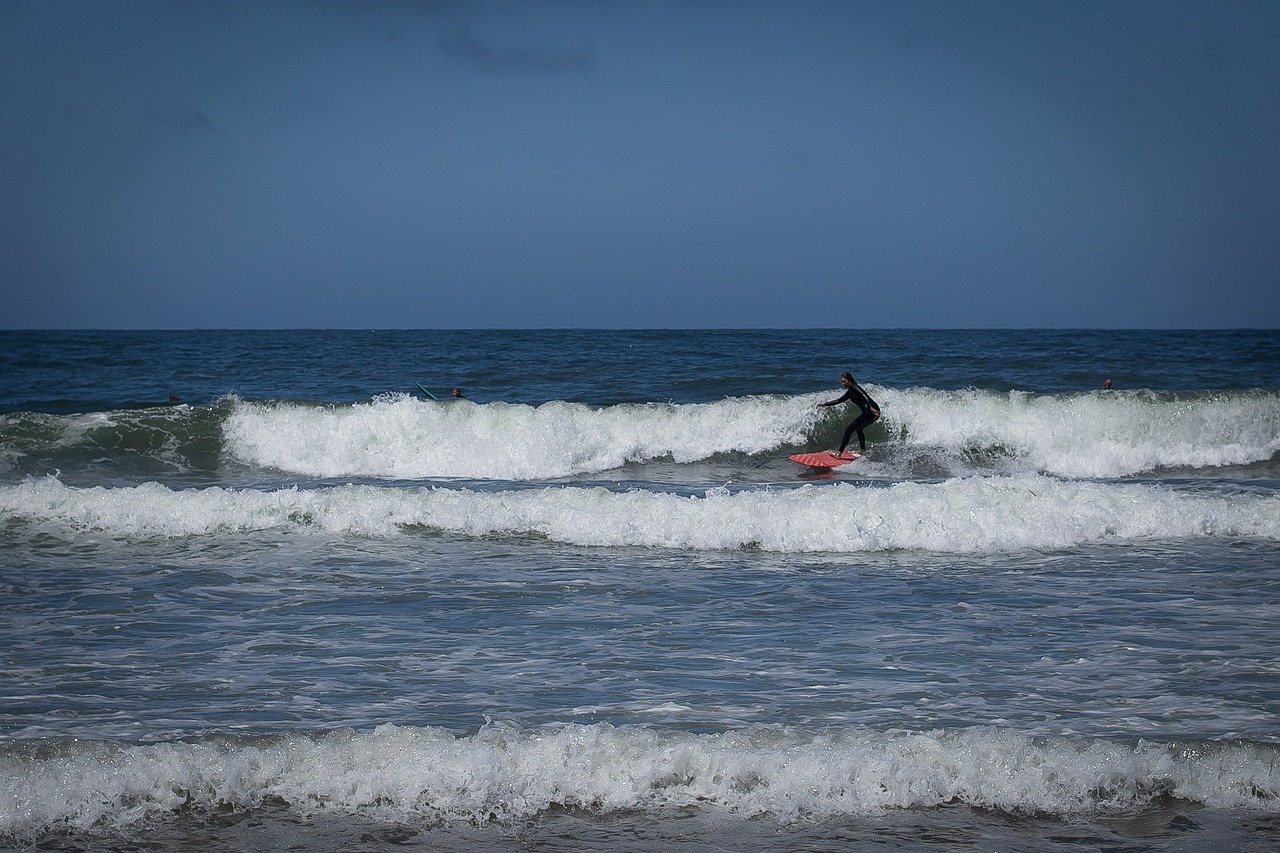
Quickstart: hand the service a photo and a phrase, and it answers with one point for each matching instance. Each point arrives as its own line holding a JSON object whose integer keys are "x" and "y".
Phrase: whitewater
{"x": 972, "y": 515}
{"x": 396, "y": 436}
{"x": 503, "y": 774}
{"x": 1081, "y": 435}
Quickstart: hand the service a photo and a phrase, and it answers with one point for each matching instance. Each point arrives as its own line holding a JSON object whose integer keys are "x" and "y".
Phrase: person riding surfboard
{"x": 869, "y": 412}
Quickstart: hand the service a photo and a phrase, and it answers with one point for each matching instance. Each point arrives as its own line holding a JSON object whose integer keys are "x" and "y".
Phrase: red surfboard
{"x": 826, "y": 460}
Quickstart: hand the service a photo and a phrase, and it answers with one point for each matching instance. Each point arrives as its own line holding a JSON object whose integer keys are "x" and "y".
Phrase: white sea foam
{"x": 1091, "y": 435}
{"x": 1079, "y": 435}
{"x": 506, "y": 774}
{"x": 402, "y": 437}
{"x": 924, "y": 432}
{"x": 974, "y": 515}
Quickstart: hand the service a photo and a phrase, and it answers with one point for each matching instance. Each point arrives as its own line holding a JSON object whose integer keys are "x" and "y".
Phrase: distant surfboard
{"x": 826, "y": 460}
{"x": 425, "y": 391}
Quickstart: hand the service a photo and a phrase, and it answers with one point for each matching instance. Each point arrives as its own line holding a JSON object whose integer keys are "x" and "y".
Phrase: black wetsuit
{"x": 869, "y": 412}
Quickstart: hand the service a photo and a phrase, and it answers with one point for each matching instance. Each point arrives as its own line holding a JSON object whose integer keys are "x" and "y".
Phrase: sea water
{"x": 593, "y": 605}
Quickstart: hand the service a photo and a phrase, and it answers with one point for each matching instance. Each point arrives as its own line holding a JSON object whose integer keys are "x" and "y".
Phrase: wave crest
{"x": 405, "y": 438}
{"x": 1100, "y": 434}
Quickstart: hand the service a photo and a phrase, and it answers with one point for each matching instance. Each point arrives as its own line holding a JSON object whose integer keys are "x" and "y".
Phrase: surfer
{"x": 868, "y": 411}
{"x": 457, "y": 394}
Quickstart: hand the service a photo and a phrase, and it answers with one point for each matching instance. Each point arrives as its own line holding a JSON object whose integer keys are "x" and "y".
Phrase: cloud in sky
{"x": 514, "y": 58}
{"x": 706, "y": 163}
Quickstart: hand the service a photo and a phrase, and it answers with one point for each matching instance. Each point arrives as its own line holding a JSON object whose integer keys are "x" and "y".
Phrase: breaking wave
{"x": 506, "y": 774}
{"x": 973, "y": 515}
{"x": 924, "y": 433}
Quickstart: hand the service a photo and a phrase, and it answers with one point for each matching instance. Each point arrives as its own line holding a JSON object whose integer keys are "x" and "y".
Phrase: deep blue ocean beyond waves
{"x": 269, "y": 589}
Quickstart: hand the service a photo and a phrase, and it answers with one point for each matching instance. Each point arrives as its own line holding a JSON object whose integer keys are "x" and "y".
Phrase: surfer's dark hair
{"x": 848, "y": 375}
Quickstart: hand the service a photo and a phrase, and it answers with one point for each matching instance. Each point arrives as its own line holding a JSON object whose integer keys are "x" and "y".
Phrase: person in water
{"x": 868, "y": 411}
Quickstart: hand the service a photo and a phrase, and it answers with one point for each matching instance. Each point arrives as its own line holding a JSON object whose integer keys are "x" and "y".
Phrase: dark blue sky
{"x": 391, "y": 163}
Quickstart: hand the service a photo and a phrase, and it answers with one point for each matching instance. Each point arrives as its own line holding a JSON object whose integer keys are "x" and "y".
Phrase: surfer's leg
{"x": 865, "y": 419}
{"x": 844, "y": 442}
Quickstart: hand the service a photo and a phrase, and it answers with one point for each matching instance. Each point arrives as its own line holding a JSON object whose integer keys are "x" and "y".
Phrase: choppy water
{"x": 595, "y": 607}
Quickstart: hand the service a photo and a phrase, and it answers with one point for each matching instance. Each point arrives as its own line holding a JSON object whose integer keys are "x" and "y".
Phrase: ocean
{"x": 593, "y": 606}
